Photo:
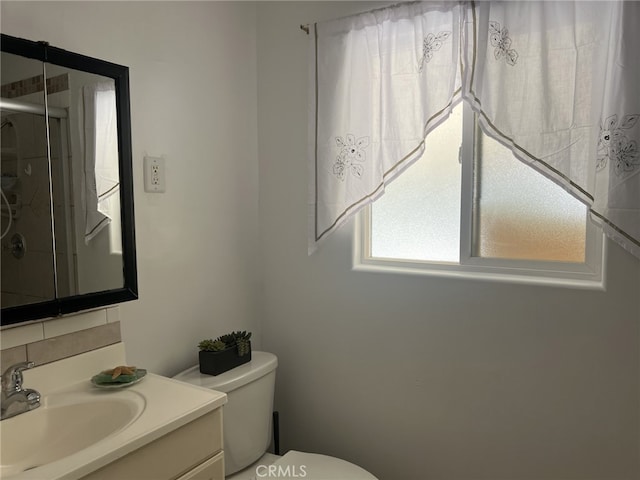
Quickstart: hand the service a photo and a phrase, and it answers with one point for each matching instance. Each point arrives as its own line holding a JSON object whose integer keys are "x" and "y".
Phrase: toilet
{"x": 247, "y": 427}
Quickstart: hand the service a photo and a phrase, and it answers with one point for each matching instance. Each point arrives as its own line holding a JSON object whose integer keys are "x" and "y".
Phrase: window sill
{"x": 580, "y": 277}
{"x": 420, "y": 270}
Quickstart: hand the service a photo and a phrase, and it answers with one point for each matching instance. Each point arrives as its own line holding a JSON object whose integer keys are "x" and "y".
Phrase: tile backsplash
{"x": 55, "y": 339}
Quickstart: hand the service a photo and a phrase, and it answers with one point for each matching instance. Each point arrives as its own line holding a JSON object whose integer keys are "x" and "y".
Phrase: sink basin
{"x": 63, "y": 425}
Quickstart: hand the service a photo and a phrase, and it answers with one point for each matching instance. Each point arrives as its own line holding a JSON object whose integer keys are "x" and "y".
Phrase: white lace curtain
{"x": 556, "y": 82}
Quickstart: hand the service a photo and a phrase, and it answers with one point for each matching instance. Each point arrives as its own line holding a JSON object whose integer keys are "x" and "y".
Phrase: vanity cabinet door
{"x": 212, "y": 469}
{"x": 185, "y": 449}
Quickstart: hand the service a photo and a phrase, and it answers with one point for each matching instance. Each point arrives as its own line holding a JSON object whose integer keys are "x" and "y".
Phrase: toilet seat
{"x": 313, "y": 466}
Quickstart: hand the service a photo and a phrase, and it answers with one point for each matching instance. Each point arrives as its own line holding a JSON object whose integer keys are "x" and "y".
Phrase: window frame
{"x": 588, "y": 275}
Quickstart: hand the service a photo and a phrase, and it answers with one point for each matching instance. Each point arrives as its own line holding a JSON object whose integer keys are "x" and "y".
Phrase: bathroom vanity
{"x": 158, "y": 428}
{"x": 195, "y": 448}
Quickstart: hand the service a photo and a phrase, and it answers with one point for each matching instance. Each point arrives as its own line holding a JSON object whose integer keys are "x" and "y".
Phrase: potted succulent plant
{"x": 224, "y": 353}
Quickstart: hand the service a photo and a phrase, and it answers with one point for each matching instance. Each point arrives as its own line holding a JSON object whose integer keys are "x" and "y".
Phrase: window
{"x": 469, "y": 207}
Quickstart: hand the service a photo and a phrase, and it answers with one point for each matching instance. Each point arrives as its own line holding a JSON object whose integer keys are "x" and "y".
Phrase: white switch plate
{"x": 154, "y": 175}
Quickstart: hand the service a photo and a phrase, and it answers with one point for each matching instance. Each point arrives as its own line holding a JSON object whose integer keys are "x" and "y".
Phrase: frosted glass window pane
{"x": 520, "y": 214}
{"x": 418, "y": 217}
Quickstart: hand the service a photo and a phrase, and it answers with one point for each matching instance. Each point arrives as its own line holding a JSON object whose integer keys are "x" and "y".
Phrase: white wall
{"x": 430, "y": 378}
{"x": 193, "y": 100}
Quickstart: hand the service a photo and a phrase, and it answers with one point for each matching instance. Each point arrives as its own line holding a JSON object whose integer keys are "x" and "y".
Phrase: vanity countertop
{"x": 167, "y": 405}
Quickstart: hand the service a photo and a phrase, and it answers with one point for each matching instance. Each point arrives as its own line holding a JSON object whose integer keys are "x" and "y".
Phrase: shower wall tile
{"x": 34, "y": 176}
{"x": 66, "y": 285}
{"x": 38, "y": 232}
{"x": 11, "y": 299}
{"x": 40, "y": 201}
{"x": 8, "y": 136}
{"x": 40, "y": 145}
{"x": 60, "y": 99}
{"x": 35, "y": 277}
{"x": 10, "y": 269}
{"x": 34, "y": 230}
{"x": 63, "y": 346}
{"x": 71, "y": 201}
{"x": 32, "y": 134}
{"x": 62, "y": 235}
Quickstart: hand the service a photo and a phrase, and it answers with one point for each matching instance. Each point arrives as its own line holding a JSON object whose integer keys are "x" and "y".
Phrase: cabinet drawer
{"x": 212, "y": 469}
{"x": 171, "y": 455}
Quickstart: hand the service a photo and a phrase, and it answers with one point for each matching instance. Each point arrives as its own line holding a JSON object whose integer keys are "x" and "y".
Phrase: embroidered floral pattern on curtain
{"x": 614, "y": 145}
{"x": 430, "y": 44}
{"x": 500, "y": 39}
{"x": 556, "y": 82}
{"x": 351, "y": 151}
{"x": 381, "y": 81}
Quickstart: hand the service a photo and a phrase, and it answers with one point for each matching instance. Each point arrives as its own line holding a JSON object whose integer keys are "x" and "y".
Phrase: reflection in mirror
{"x": 67, "y": 183}
{"x": 88, "y": 204}
{"x": 27, "y": 241}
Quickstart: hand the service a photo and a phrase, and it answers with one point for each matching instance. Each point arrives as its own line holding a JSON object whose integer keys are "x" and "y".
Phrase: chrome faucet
{"x": 15, "y": 399}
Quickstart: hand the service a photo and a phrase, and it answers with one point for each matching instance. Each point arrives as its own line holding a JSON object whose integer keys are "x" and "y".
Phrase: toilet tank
{"x": 248, "y": 412}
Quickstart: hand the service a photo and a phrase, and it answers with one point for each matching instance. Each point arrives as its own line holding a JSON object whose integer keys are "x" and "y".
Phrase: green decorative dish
{"x": 104, "y": 380}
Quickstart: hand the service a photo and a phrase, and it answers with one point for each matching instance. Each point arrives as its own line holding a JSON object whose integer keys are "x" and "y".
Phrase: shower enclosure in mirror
{"x": 67, "y": 192}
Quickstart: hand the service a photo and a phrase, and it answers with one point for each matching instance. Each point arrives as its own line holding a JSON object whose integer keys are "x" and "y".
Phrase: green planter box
{"x": 215, "y": 363}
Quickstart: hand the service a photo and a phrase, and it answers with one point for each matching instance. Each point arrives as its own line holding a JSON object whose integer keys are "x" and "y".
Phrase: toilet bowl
{"x": 247, "y": 427}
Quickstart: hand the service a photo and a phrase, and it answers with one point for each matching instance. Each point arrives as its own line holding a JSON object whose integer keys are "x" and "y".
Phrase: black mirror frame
{"x": 120, "y": 74}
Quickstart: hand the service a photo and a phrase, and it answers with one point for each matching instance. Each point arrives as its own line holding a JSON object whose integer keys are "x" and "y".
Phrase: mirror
{"x": 67, "y": 182}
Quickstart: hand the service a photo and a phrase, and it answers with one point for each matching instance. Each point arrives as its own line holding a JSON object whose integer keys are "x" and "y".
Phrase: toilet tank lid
{"x": 261, "y": 363}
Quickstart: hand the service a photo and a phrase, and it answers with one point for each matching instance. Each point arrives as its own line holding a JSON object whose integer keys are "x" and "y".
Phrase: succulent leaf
{"x": 239, "y": 339}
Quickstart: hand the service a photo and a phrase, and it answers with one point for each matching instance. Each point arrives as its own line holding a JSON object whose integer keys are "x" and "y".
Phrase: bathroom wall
{"x": 419, "y": 378}
{"x": 193, "y": 90}
{"x": 411, "y": 377}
